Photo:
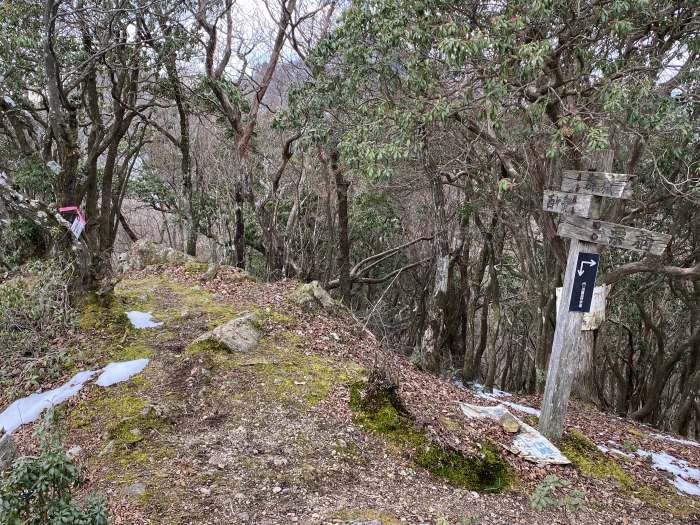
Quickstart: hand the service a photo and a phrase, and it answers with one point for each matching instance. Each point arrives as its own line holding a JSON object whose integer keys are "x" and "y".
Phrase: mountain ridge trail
{"x": 269, "y": 436}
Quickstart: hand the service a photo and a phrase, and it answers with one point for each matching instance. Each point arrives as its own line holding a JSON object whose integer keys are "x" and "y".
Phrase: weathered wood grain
{"x": 569, "y": 203}
{"x": 567, "y": 336}
{"x": 615, "y": 235}
{"x": 601, "y": 183}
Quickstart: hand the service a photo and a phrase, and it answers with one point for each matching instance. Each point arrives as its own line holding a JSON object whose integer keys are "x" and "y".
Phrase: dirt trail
{"x": 268, "y": 437}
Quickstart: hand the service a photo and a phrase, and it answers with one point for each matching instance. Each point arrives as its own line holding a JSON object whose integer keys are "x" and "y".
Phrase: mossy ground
{"x": 584, "y": 454}
{"x": 267, "y": 417}
{"x": 368, "y": 515}
{"x": 280, "y": 370}
{"x": 487, "y": 471}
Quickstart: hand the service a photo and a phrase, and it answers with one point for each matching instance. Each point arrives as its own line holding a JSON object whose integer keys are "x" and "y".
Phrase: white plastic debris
{"x": 29, "y": 408}
{"x": 54, "y": 166}
{"x": 141, "y": 320}
{"x": 529, "y": 443}
{"x": 115, "y": 373}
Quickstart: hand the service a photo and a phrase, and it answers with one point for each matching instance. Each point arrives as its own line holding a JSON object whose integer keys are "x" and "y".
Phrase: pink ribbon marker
{"x": 76, "y": 210}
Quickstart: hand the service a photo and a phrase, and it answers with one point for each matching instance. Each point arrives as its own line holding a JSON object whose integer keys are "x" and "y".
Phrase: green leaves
{"x": 38, "y": 490}
{"x": 544, "y": 495}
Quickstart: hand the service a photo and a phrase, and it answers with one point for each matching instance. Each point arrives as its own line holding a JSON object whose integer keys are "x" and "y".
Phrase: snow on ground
{"x": 28, "y": 409}
{"x": 672, "y": 439}
{"x": 612, "y": 450}
{"x": 480, "y": 391}
{"x": 522, "y": 408}
{"x": 117, "y": 372}
{"x": 684, "y": 477}
{"x": 142, "y": 319}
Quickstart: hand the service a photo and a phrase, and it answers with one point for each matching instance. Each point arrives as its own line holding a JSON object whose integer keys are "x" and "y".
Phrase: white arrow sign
{"x": 580, "y": 270}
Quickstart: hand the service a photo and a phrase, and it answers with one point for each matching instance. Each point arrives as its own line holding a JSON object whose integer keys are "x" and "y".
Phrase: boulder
{"x": 509, "y": 423}
{"x": 238, "y": 335}
{"x": 8, "y": 450}
{"x": 135, "y": 490}
{"x": 312, "y": 295}
{"x": 145, "y": 253}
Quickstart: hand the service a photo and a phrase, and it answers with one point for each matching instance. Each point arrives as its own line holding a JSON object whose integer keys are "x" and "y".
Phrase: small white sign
{"x": 77, "y": 227}
{"x": 593, "y": 319}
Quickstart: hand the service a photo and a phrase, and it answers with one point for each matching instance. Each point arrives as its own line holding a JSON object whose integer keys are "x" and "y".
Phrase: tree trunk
{"x": 494, "y": 325}
{"x": 341, "y": 188}
{"x": 435, "y": 333}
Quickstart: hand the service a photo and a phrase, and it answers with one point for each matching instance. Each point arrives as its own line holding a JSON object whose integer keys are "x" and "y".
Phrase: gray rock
{"x": 237, "y": 335}
{"x": 135, "y": 489}
{"x": 509, "y": 423}
{"x": 75, "y": 451}
{"x": 8, "y": 450}
{"x": 145, "y": 253}
{"x": 312, "y": 295}
{"x": 109, "y": 447}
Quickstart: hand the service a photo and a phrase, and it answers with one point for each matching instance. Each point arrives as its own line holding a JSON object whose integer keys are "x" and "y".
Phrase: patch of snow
{"x": 115, "y": 373}
{"x": 672, "y": 439}
{"x": 29, "y": 408}
{"x": 686, "y": 486}
{"x": 607, "y": 450}
{"x": 142, "y": 319}
{"x": 478, "y": 389}
{"x": 522, "y": 408}
{"x": 481, "y": 392}
{"x": 685, "y": 478}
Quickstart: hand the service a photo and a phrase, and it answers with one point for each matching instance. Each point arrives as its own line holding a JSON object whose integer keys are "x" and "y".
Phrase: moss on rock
{"x": 487, "y": 471}
{"x": 101, "y": 313}
{"x": 584, "y": 454}
{"x": 208, "y": 347}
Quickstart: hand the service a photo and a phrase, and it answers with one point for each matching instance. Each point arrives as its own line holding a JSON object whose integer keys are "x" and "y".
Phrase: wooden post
{"x": 583, "y": 365}
{"x": 586, "y": 233}
{"x": 564, "y": 359}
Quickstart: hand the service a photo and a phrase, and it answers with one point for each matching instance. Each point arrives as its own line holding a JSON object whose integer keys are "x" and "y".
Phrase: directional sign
{"x": 614, "y": 235}
{"x": 77, "y": 227}
{"x": 584, "y": 282}
{"x": 596, "y": 316}
{"x": 615, "y": 185}
{"x": 571, "y": 203}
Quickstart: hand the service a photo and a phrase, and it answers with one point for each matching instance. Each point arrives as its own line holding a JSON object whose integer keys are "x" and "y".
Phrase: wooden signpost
{"x": 579, "y": 202}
